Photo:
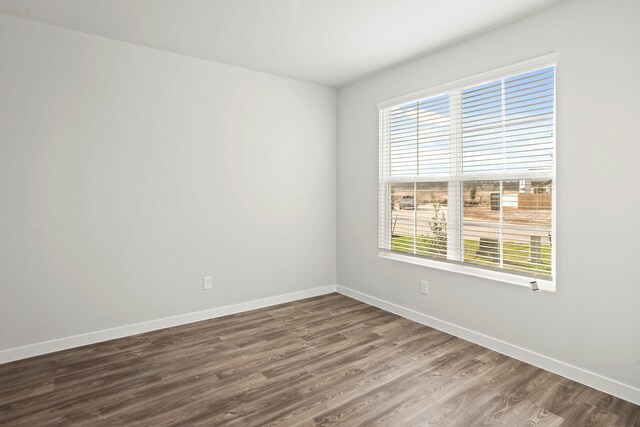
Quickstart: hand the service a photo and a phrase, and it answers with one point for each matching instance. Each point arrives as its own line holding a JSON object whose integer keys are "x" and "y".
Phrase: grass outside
{"x": 515, "y": 255}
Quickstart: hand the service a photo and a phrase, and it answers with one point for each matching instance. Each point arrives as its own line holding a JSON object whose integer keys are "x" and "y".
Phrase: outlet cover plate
{"x": 424, "y": 287}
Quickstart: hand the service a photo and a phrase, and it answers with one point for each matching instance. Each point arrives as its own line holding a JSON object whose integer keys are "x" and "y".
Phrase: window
{"x": 467, "y": 176}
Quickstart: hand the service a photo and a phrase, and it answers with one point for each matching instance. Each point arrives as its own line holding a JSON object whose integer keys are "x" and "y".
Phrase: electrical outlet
{"x": 424, "y": 287}
{"x": 207, "y": 283}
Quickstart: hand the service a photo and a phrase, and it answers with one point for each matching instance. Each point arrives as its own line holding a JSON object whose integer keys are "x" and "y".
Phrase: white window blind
{"x": 467, "y": 174}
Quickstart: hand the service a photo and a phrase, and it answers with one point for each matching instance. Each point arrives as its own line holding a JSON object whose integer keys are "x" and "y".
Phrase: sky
{"x": 524, "y": 103}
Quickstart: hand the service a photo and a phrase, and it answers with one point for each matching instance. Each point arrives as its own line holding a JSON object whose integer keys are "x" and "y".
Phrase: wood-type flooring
{"x": 328, "y": 360}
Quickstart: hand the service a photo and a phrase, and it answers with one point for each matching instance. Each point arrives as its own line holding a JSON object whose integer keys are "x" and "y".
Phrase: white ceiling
{"x": 332, "y": 42}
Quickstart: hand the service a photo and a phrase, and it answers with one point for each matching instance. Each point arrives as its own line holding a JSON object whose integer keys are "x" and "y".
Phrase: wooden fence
{"x": 534, "y": 201}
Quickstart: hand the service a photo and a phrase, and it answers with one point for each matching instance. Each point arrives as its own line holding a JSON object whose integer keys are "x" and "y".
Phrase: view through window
{"x": 467, "y": 175}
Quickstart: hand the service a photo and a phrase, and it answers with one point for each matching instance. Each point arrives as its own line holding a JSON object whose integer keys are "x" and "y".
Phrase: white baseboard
{"x": 65, "y": 343}
{"x": 591, "y": 379}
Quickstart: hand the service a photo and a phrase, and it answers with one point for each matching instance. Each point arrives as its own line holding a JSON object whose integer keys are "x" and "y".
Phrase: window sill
{"x": 499, "y": 276}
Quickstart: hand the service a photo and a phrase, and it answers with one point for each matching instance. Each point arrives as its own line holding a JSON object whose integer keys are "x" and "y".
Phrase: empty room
{"x": 319, "y": 212}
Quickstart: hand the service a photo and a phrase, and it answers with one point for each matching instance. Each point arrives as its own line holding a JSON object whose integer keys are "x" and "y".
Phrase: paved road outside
{"x": 517, "y": 222}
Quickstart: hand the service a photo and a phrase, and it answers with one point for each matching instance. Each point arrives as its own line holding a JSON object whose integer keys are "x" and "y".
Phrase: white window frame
{"x": 455, "y": 89}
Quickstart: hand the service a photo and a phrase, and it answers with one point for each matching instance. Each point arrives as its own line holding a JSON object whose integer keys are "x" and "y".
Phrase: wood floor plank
{"x": 327, "y": 360}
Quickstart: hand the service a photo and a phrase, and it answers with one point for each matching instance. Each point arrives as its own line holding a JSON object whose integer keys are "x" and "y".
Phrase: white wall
{"x": 593, "y": 321}
{"x": 127, "y": 174}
